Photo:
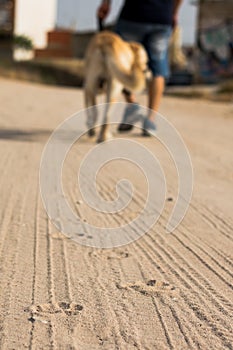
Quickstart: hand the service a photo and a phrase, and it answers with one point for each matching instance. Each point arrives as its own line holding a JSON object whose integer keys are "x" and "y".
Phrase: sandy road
{"x": 160, "y": 292}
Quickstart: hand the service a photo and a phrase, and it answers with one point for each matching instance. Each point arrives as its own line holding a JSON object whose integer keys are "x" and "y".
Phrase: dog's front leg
{"x": 92, "y": 113}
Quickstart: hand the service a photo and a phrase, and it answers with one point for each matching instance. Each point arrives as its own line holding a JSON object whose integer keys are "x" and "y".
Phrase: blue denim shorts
{"x": 155, "y": 39}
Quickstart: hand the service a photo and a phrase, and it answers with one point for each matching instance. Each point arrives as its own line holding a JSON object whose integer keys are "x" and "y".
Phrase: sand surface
{"x": 164, "y": 291}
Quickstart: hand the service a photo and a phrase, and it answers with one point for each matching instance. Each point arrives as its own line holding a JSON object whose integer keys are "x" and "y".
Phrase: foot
{"x": 91, "y": 132}
{"x": 130, "y": 117}
{"x": 104, "y": 137}
{"x": 149, "y": 128}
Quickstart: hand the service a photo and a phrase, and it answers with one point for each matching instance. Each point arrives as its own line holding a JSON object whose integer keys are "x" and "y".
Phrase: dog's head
{"x": 141, "y": 58}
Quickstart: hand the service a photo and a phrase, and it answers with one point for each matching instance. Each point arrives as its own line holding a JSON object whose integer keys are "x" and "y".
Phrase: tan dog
{"x": 119, "y": 64}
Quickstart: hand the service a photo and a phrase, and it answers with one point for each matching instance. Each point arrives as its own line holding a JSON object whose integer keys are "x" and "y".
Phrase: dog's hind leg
{"x": 113, "y": 90}
{"x": 90, "y": 90}
{"x": 92, "y": 112}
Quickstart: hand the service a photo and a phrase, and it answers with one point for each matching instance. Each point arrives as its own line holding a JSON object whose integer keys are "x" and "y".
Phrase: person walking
{"x": 150, "y": 23}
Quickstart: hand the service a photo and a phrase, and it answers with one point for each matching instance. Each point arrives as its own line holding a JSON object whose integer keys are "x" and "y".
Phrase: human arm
{"x": 176, "y": 8}
{"x": 104, "y": 9}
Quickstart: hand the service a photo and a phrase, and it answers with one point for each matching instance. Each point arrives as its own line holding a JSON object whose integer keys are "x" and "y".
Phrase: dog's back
{"x": 108, "y": 56}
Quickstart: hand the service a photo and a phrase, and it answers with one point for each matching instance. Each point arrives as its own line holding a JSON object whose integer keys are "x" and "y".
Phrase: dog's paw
{"x": 91, "y": 132}
{"x": 104, "y": 137}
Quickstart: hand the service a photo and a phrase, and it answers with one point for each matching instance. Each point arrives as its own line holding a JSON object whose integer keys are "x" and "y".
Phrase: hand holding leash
{"x": 103, "y": 10}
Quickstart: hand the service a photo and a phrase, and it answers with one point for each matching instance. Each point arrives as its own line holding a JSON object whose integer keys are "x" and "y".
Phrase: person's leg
{"x": 128, "y": 31}
{"x": 129, "y": 96}
{"x": 156, "y": 44}
{"x": 156, "y": 89}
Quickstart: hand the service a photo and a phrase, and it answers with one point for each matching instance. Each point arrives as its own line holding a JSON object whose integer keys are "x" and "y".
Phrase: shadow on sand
{"x": 31, "y": 135}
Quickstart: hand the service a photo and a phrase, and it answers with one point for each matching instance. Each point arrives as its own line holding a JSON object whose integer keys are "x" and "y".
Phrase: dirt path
{"x": 161, "y": 292}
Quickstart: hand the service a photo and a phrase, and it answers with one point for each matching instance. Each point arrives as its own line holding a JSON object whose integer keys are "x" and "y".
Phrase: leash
{"x": 100, "y": 24}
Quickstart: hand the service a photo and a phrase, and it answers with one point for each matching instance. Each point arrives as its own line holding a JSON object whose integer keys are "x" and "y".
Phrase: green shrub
{"x": 22, "y": 42}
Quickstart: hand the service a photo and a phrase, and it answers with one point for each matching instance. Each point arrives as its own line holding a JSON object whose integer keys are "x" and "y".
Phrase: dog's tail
{"x": 133, "y": 79}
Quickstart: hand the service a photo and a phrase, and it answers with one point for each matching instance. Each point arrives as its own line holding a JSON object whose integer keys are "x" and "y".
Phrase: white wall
{"x": 34, "y": 18}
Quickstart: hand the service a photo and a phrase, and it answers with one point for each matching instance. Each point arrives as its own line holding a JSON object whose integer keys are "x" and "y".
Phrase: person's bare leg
{"x": 156, "y": 90}
{"x": 129, "y": 96}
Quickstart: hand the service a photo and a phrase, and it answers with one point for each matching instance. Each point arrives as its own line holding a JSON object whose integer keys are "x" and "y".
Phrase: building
{"x": 215, "y": 39}
{"x": 40, "y": 19}
{"x": 34, "y": 19}
{"x": 7, "y": 8}
{"x": 50, "y": 24}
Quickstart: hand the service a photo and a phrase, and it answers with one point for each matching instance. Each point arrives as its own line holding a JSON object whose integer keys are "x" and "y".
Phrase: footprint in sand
{"x": 150, "y": 288}
{"x": 69, "y": 309}
{"x": 118, "y": 255}
{"x": 109, "y": 255}
{"x": 58, "y": 236}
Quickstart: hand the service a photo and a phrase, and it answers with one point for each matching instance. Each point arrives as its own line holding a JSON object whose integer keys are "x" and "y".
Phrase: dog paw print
{"x": 118, "y": 255}
{"x": 110, "y": 255}
{"x": 69, "y": 309}
{"x": 150, "y": 287}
